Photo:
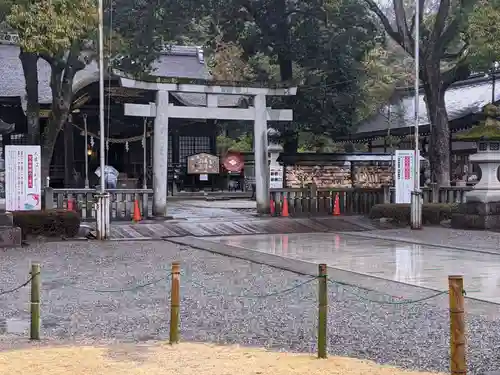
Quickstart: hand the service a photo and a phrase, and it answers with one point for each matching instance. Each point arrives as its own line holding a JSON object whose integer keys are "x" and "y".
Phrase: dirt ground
{"x": 183, "y": 359}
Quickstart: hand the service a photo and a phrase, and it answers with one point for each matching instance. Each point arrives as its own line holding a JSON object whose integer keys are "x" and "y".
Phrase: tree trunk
{"x": 54, "y": 125}
{"x": 439, "y": 150}
{"x": 62, "y": 75}
{"x": 61, "y": 86}
{"x": 29, "y": 62}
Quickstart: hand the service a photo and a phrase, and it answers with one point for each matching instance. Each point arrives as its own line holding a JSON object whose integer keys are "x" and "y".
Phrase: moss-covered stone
{"x": 488, "y": 130}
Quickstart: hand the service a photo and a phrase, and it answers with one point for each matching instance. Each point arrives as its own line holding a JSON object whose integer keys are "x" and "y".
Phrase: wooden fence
{"x": 121, "y": 202}
{"x": 311, "y": 201}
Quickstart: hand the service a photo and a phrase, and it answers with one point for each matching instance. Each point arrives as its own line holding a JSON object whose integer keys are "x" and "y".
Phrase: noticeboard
{"x": 203, "y": 164}
{"x": 23, "y": 178}
{"x": 405, "y": 175}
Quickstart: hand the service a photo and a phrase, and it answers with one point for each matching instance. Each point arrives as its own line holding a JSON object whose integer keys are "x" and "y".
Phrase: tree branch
{"x": 440, "y": 22}
{"x": 412, "y": 24}
{"x": 447, "y": 36}
{"x": 456, "y": 55}
{"x": 402, "y": 25}
{"x": 47, "y": 58}
{"x": 73, "y": 65}
{"x": 398, "y": 38}
{"x": 453, "y": 29}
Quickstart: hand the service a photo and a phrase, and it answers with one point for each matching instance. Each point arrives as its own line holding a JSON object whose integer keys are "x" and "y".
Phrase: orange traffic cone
{"x": 272, "y": 207}
{"x": 336, "y": 206}
{"x": 70, "y": 204}
{"x": 137, "y": 212}
{"x": 284, "y": 211}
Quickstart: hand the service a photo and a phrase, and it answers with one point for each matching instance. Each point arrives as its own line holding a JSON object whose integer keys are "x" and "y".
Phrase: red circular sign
{"x": 234, "y": 163}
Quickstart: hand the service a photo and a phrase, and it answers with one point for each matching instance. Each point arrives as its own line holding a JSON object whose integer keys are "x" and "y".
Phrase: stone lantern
{"x": 481, "y": 209}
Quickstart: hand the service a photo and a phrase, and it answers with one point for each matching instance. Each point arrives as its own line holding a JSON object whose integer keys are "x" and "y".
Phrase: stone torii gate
{"x": 162, "y": 110}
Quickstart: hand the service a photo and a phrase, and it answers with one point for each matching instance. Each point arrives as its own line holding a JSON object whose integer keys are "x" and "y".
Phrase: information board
{"x": 276, "y": 176}
{"x": 22, "y": 178}
{"x": 203, "y": 164}
{"x": 404, "y": 175}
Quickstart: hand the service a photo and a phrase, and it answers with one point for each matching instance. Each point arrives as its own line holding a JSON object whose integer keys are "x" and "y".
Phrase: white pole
{"x": 102, "y": 201}
{"x": 144, "y": 156}
{"x": 86, "y": 151}
{"x": 416, "y": 202}
{"x": 101, "y": 96}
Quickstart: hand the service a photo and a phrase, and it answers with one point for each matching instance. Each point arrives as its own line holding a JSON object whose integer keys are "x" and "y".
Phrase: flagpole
{"x": 102, "y": 203}
{"x": 101, "y": 96}
{"x": 416, "y": 201}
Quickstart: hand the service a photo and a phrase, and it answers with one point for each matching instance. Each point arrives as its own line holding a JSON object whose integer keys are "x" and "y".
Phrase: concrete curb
{"x": 417, "y": 242}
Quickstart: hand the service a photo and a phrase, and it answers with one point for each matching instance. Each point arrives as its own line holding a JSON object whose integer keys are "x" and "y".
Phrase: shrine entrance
{"x": 212, "y": 92}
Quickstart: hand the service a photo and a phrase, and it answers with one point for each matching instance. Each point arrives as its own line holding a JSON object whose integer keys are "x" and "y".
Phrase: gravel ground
{"x": 412, "y": 337}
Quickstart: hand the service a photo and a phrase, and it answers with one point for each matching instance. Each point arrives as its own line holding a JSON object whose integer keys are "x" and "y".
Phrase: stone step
{"x": 238, "y": 227}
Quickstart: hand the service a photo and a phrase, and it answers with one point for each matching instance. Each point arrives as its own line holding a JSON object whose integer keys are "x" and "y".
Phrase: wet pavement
{"x": 414, "y": 264}
{"x": 14, "y": 326}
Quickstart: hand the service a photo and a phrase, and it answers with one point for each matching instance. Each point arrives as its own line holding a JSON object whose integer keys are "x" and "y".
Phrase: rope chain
{"x": 8, "y": 291}
{"x": 285, "y": 291}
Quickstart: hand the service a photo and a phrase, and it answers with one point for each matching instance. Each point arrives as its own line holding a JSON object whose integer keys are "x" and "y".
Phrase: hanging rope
{"x": 116, "y": 140}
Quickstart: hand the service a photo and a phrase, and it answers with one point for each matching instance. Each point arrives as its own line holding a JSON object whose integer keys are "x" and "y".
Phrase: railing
{"x": 313, "y": 201}
{"x": 310, "y": 201}
{"x": 121, "y": 202}
{"x": 433, "y": 194}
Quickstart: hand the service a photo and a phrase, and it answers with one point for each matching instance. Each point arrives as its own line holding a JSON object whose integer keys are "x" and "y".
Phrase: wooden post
{"x": 386, "y": 191}
{"x": 313, "y": 202}
{"x": 322, "y": 311}
{"x": 175, "y": 303}
{"x": 458, "y": 364}
{"x": 434, "y": 193}
{"x": 35, "y": 302}
{"x": 48, "y": 198}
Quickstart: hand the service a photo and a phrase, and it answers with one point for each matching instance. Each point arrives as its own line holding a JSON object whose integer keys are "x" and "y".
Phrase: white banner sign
{"x": 276, "y": 176}
{"x": 405, "y": 175}
{"x": 22, "y": 178}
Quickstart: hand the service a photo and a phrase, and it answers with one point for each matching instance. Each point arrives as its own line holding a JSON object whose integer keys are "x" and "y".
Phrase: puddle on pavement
{"x": 22, "y": 326}
{"x": 14, "y": 326}
{"x": 424, "y": 266}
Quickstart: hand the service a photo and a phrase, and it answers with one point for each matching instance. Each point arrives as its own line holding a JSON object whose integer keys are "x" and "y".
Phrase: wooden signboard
{"x": 203, "y": 164}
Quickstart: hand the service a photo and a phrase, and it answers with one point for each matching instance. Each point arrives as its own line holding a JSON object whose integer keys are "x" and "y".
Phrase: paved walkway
{"x": 436, "y": 236}
{"x": 414, "y": 264}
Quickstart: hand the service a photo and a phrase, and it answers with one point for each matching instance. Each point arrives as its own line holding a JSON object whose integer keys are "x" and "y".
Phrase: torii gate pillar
{"x": 261, "y": 155}
{"x": 160, "y": 155}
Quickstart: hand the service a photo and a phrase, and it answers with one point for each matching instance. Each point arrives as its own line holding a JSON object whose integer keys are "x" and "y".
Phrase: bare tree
{"x": 443, "y": 61}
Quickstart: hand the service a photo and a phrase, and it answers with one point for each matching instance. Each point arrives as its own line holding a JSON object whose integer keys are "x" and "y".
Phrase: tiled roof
{"x": 462, "y": 98}
{"x": 177, "y": 61}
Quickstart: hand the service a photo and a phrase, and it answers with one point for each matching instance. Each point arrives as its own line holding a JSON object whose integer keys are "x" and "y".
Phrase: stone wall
{"x": 337, "y": 176}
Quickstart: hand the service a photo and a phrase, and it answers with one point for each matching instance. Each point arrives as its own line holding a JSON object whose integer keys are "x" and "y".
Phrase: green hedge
{"x": 49, "y": 223}
{"x": 432, "y": 213}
